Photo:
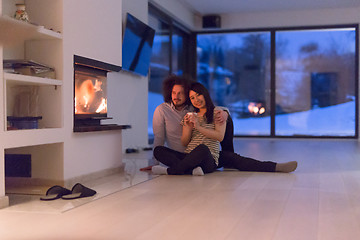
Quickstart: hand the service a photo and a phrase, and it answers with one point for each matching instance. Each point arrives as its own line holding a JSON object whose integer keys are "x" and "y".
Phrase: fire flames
{"x": 102, "y": 106}
{"x": 88, "y": 97}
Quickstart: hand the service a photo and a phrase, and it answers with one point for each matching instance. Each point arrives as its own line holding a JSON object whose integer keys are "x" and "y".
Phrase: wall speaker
{"x": 211, "y": 21}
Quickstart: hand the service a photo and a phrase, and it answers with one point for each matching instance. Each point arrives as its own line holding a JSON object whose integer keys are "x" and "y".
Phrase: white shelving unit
{"x": 21, "y": 31}
{"x": 22, "y": 40}
{"x": 49, "y": 97}
{"x": 18, "y": 35}
{"x": 30, "y": 80}
{"x": 32, "y": 137}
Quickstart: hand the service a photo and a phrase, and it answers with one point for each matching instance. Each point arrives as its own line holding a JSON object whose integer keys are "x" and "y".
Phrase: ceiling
{"x": 204, "y": 7}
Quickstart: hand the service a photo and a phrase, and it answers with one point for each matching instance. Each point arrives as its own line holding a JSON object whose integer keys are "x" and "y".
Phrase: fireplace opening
{"x": 90, "y": 91}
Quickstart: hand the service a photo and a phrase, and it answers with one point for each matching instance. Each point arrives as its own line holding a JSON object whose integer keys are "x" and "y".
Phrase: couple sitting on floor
{"x": 192, "y": 128}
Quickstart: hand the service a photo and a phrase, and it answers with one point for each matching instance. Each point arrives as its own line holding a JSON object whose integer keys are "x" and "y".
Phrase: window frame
{"x": 175, "y": 27}
{"x": 273, "y": 31}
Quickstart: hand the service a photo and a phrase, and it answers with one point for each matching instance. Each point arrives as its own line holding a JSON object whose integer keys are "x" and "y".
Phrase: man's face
{"x": 178, "y": 96}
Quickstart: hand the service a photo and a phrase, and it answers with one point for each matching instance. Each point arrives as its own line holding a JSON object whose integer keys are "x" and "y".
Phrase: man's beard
{"x": 178, "y": 105}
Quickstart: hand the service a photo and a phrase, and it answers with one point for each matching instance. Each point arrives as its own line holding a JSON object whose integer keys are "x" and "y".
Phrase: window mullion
{"x": 273, "y": 83}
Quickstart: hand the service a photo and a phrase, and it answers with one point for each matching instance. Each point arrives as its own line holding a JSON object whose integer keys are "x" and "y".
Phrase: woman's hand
{"x": 188, "y": 126}
{"x": 194, "y": 120}
{"x": 187, "y": 120}
{"x": 191, "y": 120}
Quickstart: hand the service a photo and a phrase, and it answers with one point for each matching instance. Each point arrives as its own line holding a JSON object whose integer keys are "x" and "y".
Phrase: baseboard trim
{"x": 69, "y": 183}
{"x": 36, "y": 186}
{"x": 4, "y": 202}
{"x": 25, "y": 182}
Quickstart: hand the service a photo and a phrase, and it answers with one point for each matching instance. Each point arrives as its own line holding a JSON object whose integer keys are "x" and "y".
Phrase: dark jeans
{"x": 229, "y": 159}
{"x": 183, "y": 163}
{"x": 227, "y": 143}
{"x": 234, "y": 160}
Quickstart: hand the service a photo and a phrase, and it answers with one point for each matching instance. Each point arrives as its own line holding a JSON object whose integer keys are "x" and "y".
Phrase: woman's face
{"x": 197, "y": 100}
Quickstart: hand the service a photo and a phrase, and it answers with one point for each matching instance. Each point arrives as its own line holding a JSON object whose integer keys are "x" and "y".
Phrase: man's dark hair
{"x": 201, "y": 90}
{"x": 169, "y": 83}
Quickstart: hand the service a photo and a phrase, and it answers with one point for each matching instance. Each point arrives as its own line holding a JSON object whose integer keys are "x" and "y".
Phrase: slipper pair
{"x": 78, "y": 191}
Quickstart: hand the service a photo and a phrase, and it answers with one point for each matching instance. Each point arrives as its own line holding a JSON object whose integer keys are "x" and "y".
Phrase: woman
{"x": 201, "y": 134}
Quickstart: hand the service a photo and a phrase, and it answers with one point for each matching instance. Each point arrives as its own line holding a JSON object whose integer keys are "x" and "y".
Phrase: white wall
{"x": 291, "y": 18}
{"x": 91, "y": 28}
{"x": 177, "y": 10}
{"x": 286, "y": 18}
{"x": 130, "y": 92}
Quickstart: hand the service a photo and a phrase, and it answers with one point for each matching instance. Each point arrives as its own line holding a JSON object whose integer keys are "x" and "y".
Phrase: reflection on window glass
{"x": 159, "y": 66}
{"x": 160, "y": 54}
{"x": 315, "y": 82}
{"x": 178, "y": 54}
{"x": 235, "y": 67}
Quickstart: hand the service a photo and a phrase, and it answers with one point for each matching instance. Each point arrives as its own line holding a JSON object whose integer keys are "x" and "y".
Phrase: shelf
{"x": 32, "y": 137}
{"x": 31, "y": 80}
{"x": 17, "y": 31}
{"x": 105, "y": 127}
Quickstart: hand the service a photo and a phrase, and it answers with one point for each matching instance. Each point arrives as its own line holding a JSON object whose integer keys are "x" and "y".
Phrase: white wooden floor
{"x": 320, "y": 200}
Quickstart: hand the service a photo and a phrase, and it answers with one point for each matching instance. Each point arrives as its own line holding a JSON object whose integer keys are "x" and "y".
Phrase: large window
{"x": 170, "y": 55}
{"x": 315, "y": 82}
{"x": 284, "y": 82}
{"x": 235, "y": 67}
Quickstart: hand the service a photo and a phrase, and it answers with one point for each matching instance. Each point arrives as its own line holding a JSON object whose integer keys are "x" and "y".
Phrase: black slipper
{"x": 79, "y": 191}
{"x": 55, "y": 192}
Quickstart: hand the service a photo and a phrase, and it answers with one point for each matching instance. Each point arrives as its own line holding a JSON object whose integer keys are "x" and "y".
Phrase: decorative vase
{"x": 20, "y": 13}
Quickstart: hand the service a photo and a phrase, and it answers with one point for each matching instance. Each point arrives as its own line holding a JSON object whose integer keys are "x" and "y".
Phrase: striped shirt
{"x": 198, "y": 138}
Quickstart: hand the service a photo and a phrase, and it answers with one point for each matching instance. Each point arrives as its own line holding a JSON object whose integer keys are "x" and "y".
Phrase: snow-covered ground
{"x": 338, "y": 120}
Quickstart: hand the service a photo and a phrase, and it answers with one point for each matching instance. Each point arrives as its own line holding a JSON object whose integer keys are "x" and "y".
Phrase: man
{"x": 167, "y": 130}
{"x": 168, "y": 115}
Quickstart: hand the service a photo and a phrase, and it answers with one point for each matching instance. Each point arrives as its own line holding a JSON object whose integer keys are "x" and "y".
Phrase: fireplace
{"x": 90, "y": 94}
{"x": 90, "y": 100}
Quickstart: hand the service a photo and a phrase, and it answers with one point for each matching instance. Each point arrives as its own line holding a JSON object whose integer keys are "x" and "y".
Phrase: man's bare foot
{"x": 286, "y": 167}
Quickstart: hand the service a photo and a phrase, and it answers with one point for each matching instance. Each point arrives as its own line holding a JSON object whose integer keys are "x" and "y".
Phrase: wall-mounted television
{"x": 137, "y": 45}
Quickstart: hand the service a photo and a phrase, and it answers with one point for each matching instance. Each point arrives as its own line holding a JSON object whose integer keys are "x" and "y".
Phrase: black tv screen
{"x": 137, "y": 44}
